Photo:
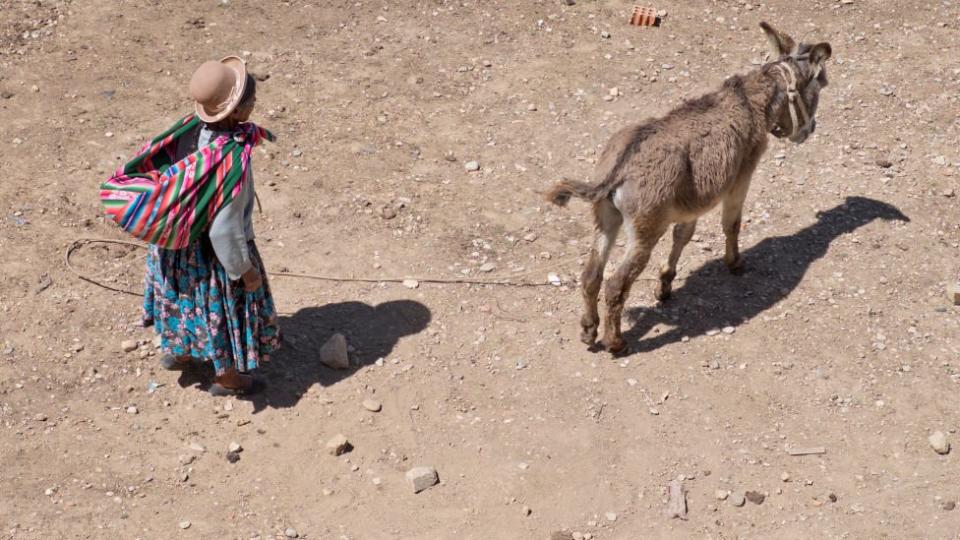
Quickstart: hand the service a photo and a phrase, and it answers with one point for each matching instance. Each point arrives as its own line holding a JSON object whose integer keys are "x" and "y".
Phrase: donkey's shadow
{"x": 373, "y": 330}
{"x": 711, "y": 298}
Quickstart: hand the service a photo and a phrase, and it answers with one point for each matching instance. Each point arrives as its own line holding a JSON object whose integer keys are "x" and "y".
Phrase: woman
{"x": 210, "y": 301}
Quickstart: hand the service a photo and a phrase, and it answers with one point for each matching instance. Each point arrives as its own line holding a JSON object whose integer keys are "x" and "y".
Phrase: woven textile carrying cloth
{"x": 170, "y": 204}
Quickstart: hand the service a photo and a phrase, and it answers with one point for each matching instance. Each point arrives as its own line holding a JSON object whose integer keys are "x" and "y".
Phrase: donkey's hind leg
{"x": 642, "y": 237}
{"x": 682, "y": 233}
{"x": 607, "y": 220}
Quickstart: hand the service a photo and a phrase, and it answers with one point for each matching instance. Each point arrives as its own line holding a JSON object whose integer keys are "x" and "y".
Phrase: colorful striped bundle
{"x": 169, "y": 203}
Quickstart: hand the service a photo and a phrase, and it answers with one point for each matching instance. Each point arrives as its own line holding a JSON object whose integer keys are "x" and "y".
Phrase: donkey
{"x": 676, "y": 168}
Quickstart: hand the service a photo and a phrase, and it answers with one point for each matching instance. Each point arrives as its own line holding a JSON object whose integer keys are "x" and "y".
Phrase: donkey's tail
{"x": 561, "y": 193}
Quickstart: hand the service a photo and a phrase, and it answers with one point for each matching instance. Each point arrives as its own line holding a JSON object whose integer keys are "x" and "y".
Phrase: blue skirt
{"x": 199, "y": 312}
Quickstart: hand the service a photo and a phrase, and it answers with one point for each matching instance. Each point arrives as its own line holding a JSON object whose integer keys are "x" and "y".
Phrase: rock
{"x": 949, "y": 193}
{"x": 133, "y": 410}
{"x": 569, "y": 3}
{"x": 129, "y": 345}
{"x": 411, "y": 283}
{"x": 197, "y": 447}
{"x": 388, "y": 212}
{"x": 488, "y": 267}
{"x": 186, "y": 459}
{"x": 526, "y": 510}
{"x": 334, "y": 352}
{"x": 233, "y": 457}
{"x": 939, "y": 443}
{"x": 785, "y": 476}
{"x": 472, "y": 166}
{"x": 372, "y": 405}
{"x": 291, "y": 533}
{"x": 953, "y": 293}
{"x": 611, "y": 516}
{"x": 677, "y": 503}
{"x": 554, "y": 279}
{"x": 729, "y": 330}
{"x": 755, "y": 497}
{"x": 235, "y": 447}
{"x": 884, "y": 163}
{"x": 184, "y": 525}
{"x": 561, "y": 535}
{"x": 738, "y": 498}
{"x": 605, "y": 35}
{"x": 949, "y": 506}
{"x": 422, "y": 478}
{"x": 296, "y": 152}
{"x": 228, "y": 406}
{"x": 339, "y": 445}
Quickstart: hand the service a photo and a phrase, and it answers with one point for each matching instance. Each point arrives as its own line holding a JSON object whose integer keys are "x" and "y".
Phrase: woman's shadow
{"x": 711, "y": 299}
{"x": 372, "y": 330}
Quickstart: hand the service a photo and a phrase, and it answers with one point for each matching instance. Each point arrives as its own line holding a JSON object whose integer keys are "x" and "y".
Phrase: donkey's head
{"x": 801, "y": 73}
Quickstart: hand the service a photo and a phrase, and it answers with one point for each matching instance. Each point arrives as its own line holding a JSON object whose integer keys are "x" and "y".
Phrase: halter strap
{"x": 794, "y": 101}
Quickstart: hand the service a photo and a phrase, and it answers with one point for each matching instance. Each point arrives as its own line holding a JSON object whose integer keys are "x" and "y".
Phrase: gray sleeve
{"x": 228, "y": 235}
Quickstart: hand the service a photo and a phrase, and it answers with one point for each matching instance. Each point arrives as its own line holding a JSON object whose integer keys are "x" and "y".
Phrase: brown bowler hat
{"x": 217, "y": 87}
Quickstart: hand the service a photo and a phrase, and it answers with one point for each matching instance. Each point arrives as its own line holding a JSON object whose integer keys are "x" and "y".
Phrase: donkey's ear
{"x": 820, "y": 53}
{"x": 782, "y": 44}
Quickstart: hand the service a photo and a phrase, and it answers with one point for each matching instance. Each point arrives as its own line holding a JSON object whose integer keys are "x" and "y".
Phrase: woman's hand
{"x": 252, "y": 280}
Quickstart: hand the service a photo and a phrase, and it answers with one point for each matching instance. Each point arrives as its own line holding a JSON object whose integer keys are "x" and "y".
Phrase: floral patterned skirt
{"x": 198, "y": 311}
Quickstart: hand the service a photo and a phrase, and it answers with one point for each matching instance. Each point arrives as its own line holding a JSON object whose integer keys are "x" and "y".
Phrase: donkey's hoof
{"x": 588, "y": 335}
{"x": 737, "y": 267}
{"x": 615, "y": 345}
{"x": 662, "y": 292}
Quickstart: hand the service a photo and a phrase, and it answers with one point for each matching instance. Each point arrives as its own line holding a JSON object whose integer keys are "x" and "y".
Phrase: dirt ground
{"x": 839, "y": 336}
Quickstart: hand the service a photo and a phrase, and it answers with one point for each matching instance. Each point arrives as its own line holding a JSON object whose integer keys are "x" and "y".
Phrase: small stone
{"x": 291, "y": 533}
{"x": 49, "y": 492}
{"x": 832, "y": 497}
{"x": 339, "y": 445}
{"x": 186, "y": 459}
{"x": 372, "y": 405}
{"x": 949, "y": 506}
{"x": 526, "y": 510}
{"x": 334, "y": 352}
{"x": 785, "y": 476}
{"x": 235, "y": 447}
{"x": 228, "y": 406}
{"x": 488, "y": 267}
{"x": 729, "y": 330}
{"x": 722, "y": 494}
{"x": 884, "y": 163}
{"x": 605, "y": 35}
{"x": 17, "y": 141}
{"x": 472, "y": 166}
{"x": 129, "y": 345}
{"x": 296, "y": 152}
{"x": 132, "y": 410}
{"x": 422, "y": 478}
{"x": 532, "y": 107}
{"x": 411, "y": 283}
{"x": 233, "y": 457}
{"x": 939, "y": 443}
{"x": 554, "y": 279}
{"x": 611, "y": 516}
{"x": 949, "y": 193}
{"x": 184, "y": 525}
{"x": 755, "y": 497}
{"x": 197, "y": 447}
{"x": 34, "y": 89}
{"x": 738, "y": 498}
